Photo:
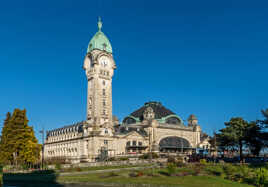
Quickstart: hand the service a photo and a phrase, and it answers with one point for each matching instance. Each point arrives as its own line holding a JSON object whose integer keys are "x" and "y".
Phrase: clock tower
{"x": 99, "y": 67}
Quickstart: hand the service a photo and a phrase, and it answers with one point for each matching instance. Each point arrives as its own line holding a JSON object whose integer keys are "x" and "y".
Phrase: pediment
{"x": 133, "y": 134}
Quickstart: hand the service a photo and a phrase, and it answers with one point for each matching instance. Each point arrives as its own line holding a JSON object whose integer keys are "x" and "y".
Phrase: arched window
{"x": 173, "y": 120}
{"x": 129, "y": 120}
{"x": 174, "y": 142}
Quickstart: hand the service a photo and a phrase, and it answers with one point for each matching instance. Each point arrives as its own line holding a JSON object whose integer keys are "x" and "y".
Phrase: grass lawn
{"x": 191, "y": 175}
{"x": 123, "y": 178}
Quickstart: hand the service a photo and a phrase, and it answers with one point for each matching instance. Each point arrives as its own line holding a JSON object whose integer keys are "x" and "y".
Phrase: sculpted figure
{"x": 148, "y": 114}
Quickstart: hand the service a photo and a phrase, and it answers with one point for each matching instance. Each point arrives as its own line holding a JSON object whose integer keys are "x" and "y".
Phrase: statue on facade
{"x": 149, "y": 114}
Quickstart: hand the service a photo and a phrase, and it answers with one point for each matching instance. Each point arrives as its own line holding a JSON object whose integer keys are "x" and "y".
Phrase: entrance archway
{"x": 174, "y": 144}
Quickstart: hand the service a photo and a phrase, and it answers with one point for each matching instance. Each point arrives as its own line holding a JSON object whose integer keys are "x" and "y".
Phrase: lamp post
{"x": 42, "y": 161}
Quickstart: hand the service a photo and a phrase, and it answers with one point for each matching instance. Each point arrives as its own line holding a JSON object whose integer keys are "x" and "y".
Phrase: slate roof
{"x": 77, "y": 127}
{"x": 159, "y": 110}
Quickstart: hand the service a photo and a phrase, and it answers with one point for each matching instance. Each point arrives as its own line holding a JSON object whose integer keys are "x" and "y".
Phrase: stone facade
{"x": 152, "y": 128}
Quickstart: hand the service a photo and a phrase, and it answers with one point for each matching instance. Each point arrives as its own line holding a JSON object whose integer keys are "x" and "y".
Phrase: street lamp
{"x": 42, "y": 161}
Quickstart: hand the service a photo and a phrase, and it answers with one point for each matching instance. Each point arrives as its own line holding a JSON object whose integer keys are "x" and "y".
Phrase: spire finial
{"x": 99, "y": 24}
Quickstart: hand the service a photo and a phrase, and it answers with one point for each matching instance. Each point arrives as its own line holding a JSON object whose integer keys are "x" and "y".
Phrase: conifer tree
{"x": 21, "y": 144}
{"x": 234, "y": 134}
{"x": 265, "y": 114}
{"x": 5, "y": 153}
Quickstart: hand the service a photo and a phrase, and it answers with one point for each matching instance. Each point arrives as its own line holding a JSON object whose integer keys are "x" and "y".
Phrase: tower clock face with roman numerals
{"x": 104, "y": 61}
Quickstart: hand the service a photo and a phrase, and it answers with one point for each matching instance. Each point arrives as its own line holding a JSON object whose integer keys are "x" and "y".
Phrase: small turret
{"x": 192, "y": 120}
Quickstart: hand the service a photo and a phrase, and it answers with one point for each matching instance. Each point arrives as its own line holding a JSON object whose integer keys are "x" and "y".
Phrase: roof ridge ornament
{"x": 99, "y": 23}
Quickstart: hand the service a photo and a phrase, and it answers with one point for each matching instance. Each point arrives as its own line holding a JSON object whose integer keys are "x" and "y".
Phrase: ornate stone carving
{"x": 149, "y": 113}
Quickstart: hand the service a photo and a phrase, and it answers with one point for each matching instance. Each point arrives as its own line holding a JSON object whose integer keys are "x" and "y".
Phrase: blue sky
{"x": 208, "y": 58}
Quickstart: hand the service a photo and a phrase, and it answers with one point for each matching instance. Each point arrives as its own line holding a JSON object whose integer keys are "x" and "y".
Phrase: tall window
{"x": 105, "y": 142}
{"x": 103, "y": 91}
{"x": 134, "y": 143}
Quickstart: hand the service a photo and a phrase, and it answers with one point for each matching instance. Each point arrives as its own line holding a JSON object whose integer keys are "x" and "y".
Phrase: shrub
{"x": 244, "y": 172}
{"x": 155, "y": 155}
{"x": 203, "y": 161}
{"x": 171, "y": 159}
{"x": 123, "y": 158}
{"x": 133, "y": 174}
{"x": 150, "y": 172}
{"x": 1, "y": 179}
{"x": 215, "y": 170}
{"x": 55, "y": 160}
{"x": 111, "y": 174}
{"x": 197, "y": 172}
{"x": 261, "y": 177}
{"x": 266, "y": 165}
{"x": 140, "y": 173}
{"x": 229, "y": 171}
{"x": 1, "y": 168}
{"x": 25, "y": 167}
{"x": 180, "y": 161}
{"x": 78, "y": 169}
{"x": 58, "y": 166}
{"x": 43, "y": 172}
{"x": 147, "y": 156}
{"x": 112, "y": 159}
{"x": 171, "y": 168}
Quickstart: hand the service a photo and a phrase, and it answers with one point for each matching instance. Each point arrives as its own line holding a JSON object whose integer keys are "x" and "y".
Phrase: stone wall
{"x": 111, "y": 163}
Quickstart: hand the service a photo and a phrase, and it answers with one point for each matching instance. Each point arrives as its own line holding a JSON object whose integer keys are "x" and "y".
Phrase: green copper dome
{"x": 100, "y": 41}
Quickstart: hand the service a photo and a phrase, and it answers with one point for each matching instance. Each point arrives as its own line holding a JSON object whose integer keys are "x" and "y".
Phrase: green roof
{"x": 100, "y": 41}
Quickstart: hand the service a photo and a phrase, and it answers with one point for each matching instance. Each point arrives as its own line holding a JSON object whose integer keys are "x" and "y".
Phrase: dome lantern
{"x": 100, "y": 41}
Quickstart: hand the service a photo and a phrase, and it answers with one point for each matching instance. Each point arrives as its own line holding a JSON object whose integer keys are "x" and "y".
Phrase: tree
{"x": 20, "y": 144}
{"x": 265, "y": 115}
{"x": 234, "y": 135}
{"x": 5, "y": 145}
{"x": 264, "y": 124}
{"x": 254, "y": 138}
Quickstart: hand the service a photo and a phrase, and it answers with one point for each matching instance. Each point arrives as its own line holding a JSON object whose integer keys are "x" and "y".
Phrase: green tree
{"x": 20, "y": 144}
{"x": 264, "y": 124}
{"x": 234, "y": 135}
{"x": 5, "y": 143}
{"x": 254, "y": 138}
{"x": 265, "y": 114}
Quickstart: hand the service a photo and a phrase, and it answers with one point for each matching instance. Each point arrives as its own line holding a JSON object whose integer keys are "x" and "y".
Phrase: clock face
{"x": 104, "y": 61}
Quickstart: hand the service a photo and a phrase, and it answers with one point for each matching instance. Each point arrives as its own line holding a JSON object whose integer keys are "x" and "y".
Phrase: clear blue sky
{"x": 209, "y": 58}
